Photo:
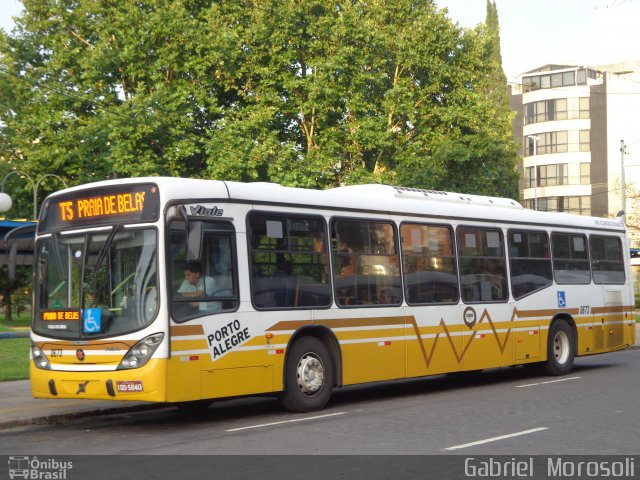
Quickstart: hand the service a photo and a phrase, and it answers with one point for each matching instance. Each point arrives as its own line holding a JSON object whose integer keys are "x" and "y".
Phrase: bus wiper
{"x": 56, "y": 256}
{"x": 103, "y": 251}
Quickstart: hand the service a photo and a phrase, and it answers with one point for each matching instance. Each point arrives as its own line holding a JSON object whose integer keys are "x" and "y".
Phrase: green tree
{"x": 316, "y": 93}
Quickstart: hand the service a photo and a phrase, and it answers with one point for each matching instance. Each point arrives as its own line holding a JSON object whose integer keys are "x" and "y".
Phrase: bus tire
{"x": 309, "y": 376}
{"x": 560, "y": 349}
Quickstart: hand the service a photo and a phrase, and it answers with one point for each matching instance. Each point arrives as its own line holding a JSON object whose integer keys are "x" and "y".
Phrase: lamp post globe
{"x": 5, "y": 202}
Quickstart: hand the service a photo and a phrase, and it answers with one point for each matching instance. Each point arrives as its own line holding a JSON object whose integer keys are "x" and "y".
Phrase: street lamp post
{"x": 623, "y": 186}
{"x": 5, "y": 200}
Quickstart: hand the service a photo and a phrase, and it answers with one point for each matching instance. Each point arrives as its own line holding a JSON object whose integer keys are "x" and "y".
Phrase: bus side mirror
{"x": 194, "y": 242}
{"x": 11, "y": 241}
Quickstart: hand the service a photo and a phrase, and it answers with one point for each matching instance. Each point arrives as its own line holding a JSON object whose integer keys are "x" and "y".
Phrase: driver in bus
{"x": 197, "y": 285}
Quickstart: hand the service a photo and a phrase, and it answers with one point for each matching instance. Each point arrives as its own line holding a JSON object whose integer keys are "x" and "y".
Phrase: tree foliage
{"x": 316, "y": 93}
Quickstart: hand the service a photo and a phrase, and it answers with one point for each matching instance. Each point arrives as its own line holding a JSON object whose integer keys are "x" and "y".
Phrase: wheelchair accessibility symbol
{"x": 92, "y": 320}
{"x": 562, "y": 300}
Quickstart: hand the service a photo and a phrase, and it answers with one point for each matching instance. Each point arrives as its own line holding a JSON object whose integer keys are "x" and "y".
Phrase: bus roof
{"x": 365, "y": 198}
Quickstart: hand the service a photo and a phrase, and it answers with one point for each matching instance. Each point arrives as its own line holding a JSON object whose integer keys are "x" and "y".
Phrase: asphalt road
{"x": 506, "y": 411}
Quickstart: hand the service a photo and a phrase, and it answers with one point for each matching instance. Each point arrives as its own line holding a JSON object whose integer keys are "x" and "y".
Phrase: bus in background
{"x": 635, "y": 269}
{"x": 183, "y": 290}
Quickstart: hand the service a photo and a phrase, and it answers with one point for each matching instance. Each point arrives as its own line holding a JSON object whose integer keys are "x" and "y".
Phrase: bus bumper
{"x": 147, "y": 383}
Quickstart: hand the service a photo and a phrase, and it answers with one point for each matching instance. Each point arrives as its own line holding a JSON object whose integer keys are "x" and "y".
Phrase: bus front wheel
{"x": 560, "y": 348}
{"x": 309, "y": 376}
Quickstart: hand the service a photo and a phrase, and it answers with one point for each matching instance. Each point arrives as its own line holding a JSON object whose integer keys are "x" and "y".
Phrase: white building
{"x": 570, "y": 122}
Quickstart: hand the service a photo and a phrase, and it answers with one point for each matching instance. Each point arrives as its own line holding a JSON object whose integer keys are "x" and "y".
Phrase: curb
{"x": 59, "y": 418}
{"x": 5, "y": 335}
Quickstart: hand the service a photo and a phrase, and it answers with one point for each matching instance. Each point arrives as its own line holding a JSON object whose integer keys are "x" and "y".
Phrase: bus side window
{"x": 530, "y": 262}
{"x": 570, "y": 258}
{"x": 481, "y": 257}
{"x": 289, "y": 261}
{"x": 213, "y": 286}
{"x": 366, "y": 262}
{"x": 607, "y": 262}
{"x": 429, "y": 262}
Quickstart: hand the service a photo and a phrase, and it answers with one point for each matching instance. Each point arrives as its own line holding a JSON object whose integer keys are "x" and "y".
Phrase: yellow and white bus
{"x": 184, "y": 290}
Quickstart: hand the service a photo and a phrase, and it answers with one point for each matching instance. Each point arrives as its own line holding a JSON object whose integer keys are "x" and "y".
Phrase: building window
{"x": 581, "y": 77}
{"x": 585, "y": 173}
{"x": 529, "y": 177}
{"x": 550, "y": 142}
{"x": 545, "y": 111}
{"x": 554, "y": 80}
{"x": 577, "y": 205}
{"x": 560, "y": 109}
{"x": 584, "y": 107}
{"x": 585, "y": 140}
{"x": 548, "y": 204}
{"x": 551, "y": 175}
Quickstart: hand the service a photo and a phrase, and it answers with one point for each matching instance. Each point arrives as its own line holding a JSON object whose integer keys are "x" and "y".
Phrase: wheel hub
{"x": 561, "y": 347}
{"x": 310, "y": 374}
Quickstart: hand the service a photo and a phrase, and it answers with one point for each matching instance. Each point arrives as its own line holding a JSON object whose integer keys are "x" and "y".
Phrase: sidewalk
{"x": 18, "y": 408}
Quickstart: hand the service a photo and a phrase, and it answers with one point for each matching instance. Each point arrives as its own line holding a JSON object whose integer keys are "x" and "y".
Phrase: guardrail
{"x": 5, "y": 335}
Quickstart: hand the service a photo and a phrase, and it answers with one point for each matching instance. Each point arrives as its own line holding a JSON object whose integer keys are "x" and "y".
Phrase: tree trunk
{"x": 7, "y": 306}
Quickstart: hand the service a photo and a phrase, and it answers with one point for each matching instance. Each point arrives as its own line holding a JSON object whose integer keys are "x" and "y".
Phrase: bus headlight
{"x": 141, "y": 352}
{"x": 40, "y": 360}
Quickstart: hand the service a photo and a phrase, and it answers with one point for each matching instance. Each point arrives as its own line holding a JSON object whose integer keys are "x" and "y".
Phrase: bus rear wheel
{"x": 560, "y": 349}
{"x": 309, "y": 376}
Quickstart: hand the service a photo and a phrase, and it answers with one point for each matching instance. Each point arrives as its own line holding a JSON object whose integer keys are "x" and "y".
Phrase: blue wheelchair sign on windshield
{"x": 92, "y": 320}
{"x": 562, "y": 300}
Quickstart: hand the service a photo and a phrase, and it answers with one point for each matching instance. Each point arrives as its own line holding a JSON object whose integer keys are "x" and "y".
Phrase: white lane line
{"x": 285, "y": 421}
{"x": 549, "y": 381}
{"x": 495, "y": 439}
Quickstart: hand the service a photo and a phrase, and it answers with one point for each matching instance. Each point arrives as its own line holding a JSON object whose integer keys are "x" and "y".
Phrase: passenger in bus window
{"x": 197, "y": 285}
{"x": 347, "y": 266}
{"x": 386, "y": 297}
{"x": 491, "y": 284}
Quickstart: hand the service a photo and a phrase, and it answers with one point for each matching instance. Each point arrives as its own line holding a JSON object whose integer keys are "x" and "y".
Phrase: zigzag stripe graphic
{"x": 460, "y": 356}
{"x": 485, "y": 318}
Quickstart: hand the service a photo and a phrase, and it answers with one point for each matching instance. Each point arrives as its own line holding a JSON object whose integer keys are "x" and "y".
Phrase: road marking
{"x": 285, "y": 422}
{"x": 495, "y": 439}
{"x": 544, "y": 383}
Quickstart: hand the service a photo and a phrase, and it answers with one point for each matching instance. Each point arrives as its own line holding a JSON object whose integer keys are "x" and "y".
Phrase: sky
{"x": 533, "y": 33}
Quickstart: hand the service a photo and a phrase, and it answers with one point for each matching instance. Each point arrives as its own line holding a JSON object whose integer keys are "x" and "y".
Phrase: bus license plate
{"x": 130, "y": 386}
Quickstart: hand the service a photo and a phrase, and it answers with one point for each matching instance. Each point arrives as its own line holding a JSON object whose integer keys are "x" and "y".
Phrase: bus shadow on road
{"x": 266, "y": 408}
{"x": 460, "y": 381}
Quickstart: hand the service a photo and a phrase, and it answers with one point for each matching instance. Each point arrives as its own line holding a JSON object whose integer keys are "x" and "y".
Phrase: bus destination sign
{"x": 100, "y": 206}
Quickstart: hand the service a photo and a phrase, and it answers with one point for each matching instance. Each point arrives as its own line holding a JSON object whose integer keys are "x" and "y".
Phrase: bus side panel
{"x": 490, "y": 332}
{"x": 434, "y": 340}
{"x": 372, "y": 342}
{"x": 202, "y": 367}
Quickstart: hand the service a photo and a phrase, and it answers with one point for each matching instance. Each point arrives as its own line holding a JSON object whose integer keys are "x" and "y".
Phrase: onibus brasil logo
{"x": 38, "y": 469}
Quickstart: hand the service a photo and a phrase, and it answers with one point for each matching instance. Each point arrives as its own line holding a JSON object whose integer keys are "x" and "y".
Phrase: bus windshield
{"x": 96, "y": 284}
